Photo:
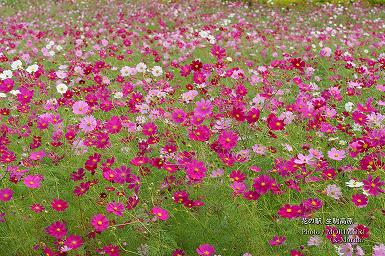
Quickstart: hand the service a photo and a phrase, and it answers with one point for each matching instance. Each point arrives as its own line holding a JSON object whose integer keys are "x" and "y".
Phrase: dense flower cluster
{"x": 192, "y": 128}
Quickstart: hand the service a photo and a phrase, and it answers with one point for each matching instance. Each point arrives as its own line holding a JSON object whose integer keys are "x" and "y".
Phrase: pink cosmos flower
{"x": 334, "y": 191}
{"x": 160, "y": 213}
{"x": 37, "y": 155}
{"x": 196, "y": 170}
{"x": 337, "y": 155}
{"x": 80, "y": 108}
{"x": 87, "y": 124}
{"x": 33, "y": 181}
{"x": 6, "y": 194}
{"x": 205, "y": 250}
{"x": 100, "y": 222}
{"x": 379, "y": 250}
{"x": 203, "y": 107}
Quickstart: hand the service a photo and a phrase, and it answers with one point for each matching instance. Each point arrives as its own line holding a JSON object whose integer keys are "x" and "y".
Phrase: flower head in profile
{"x": 277, "y": 240}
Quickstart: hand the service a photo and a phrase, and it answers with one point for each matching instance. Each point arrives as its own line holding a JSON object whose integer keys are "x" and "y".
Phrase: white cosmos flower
{"x": 157, "y": 71}
{"x": 52, "y": 53}
{"x": 354, "y": 184}
{"x": 3, "y": 95}
{"x": 203, "y": 34}
{"x": 118, "y": 95}
{"x": 7, "y": 74}
{"x": 349, "y": 106}
{"x": 61, "y": 88}
{"x": 32, "y": 69}
{"x": 14, "y": 92}
{"x": 17, "y": 64}
{"x": 125, "y": 71}
{"x": 141, "y": 67}
{"x": 59, "y": 48}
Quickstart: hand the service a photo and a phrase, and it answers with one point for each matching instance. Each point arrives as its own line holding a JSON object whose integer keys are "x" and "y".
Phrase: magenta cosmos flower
{"x": 160, "y": 213}
{"x": 37, "y": 155}
{"x": 57, "y": 230}
{"x": 73, "y": 241}
{"x": 6, "y": 194}
{"x": 115, "y": 208}
{"x": 277, "y": 240}
{"x": 228, "y": 139}
{"x": 205, "y": 250}
{"x": 203, "y": 107}
{"x": 178, "y": 115}
{"x": 100, "y": 222}
{"x": 33, "y": 181}
{"x": 80, "y": 108}
{"x": 335, "y": 154}
{"x": 373, "y": 186}
{"x": 290, "y": 211}
{"x": 360, "y": 200}
{"x": 149, "y": 129}
{"x": 87, "y": 124}
{"x": 59, "y": 205}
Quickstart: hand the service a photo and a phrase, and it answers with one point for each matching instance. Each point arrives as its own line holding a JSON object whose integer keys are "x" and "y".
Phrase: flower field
{"x": 205, "y": 128}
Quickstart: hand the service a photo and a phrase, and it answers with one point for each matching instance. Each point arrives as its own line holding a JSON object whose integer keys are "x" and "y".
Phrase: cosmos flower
{"x": 360, "y": 200}
{"x": 228, "y": 139}
{"x": 57, "y": 230}
{"x": 61, "y": 88}
{"x": 157, "y": 71}
{"x": 6, "y": 194}
{"x": 334, "y": 191}
{"x": 87, "y": 124}
{"x": 335, "y": 154}
{"x": 80, "y": 108}
{"x": 33, "y": 181}
{"x": 100, "y": 222}
{"x": 160, "y": 213}
{"x": 59, "y": 205}
{"x": 205, "y": 250}
{"x": 115, "y": 208}
{"x": 73, "y": 241}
